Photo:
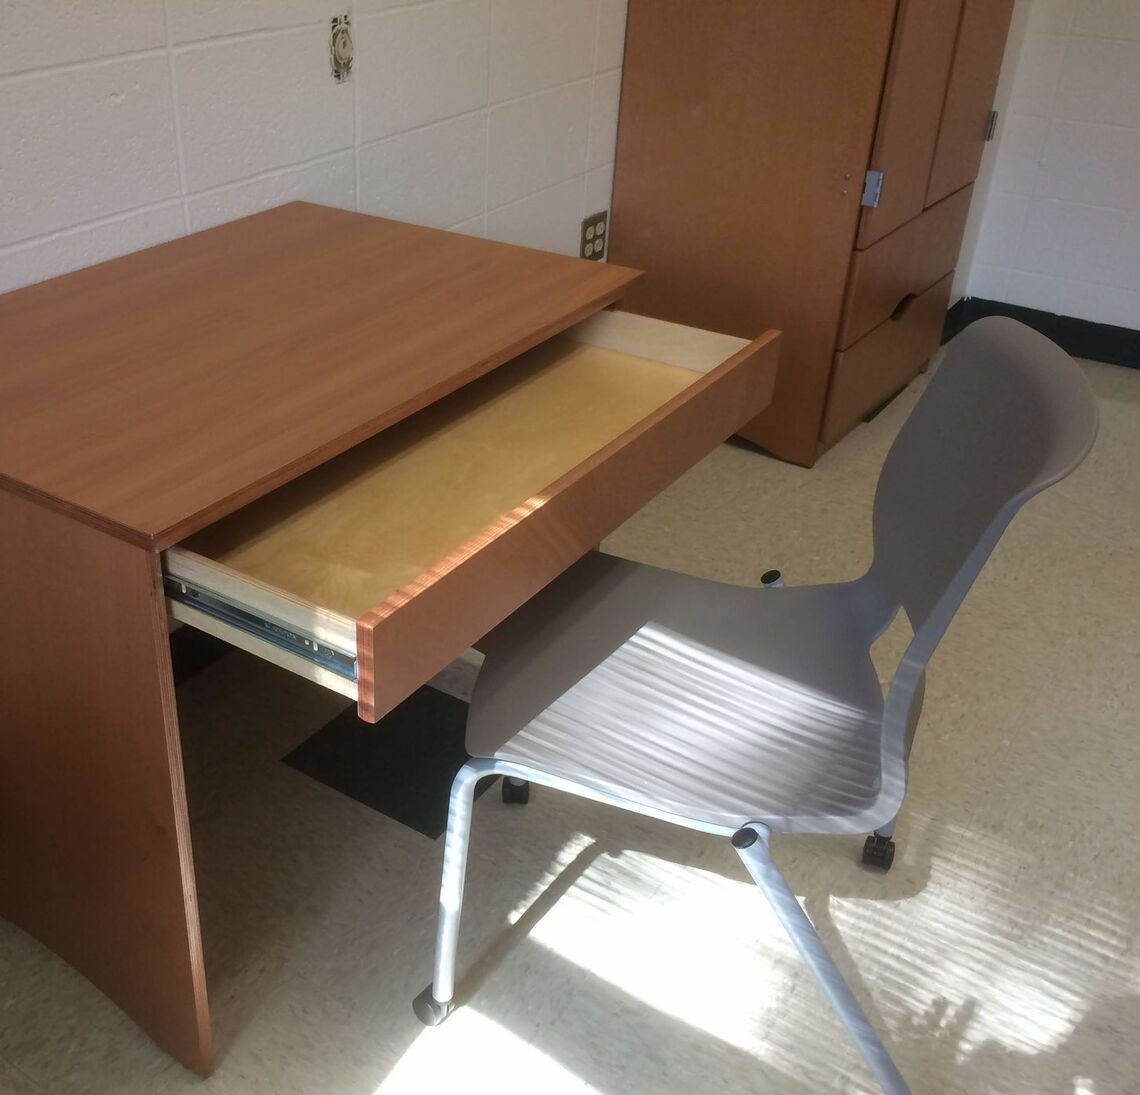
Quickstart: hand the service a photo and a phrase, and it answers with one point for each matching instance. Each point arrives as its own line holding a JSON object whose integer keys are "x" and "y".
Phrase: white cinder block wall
{"x": 1060, "y": 225}
{"x": 125, "y": 123}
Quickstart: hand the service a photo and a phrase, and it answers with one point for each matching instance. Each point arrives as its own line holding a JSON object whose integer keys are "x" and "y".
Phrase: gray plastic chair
{"x": 742, "y": 712}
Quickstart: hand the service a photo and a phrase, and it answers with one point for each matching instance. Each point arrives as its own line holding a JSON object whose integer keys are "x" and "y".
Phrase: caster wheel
{"x": 429, "y": 1010}
{"x": 879, "y": 851}
{"x": 516, "y": 792}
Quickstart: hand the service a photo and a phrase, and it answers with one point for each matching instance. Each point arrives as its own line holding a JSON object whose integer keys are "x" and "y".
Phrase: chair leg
{"x": 515, "y": 791}
{"x": 751, "y": 843}
{"x": 879, "y": 847}
{"x": 436, "y": 1002}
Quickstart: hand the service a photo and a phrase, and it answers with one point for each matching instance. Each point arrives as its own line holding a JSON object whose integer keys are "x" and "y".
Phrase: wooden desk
{"x": 198, "y": 397}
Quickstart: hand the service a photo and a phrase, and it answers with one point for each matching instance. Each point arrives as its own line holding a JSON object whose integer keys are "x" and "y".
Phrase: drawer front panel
{"x": 415, "y": 633}
{"x": 884, "y": 361}
{"x": 906, "y": 263}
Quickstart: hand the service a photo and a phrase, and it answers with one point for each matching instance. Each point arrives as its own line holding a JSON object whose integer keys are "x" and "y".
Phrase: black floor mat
{"x": 402, "y": 766}
{"x": 191, "y": 651}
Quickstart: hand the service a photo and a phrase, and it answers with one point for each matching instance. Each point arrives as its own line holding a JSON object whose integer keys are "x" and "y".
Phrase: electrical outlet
{"x": 340, "y": 48}
{"x": 595, "y": 229}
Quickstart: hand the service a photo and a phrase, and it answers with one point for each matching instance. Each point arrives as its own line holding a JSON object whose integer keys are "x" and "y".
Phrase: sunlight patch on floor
{"x": 690, "y": 943}
{"x": 441, "y": 1060}
{"x": 980, "y": 958}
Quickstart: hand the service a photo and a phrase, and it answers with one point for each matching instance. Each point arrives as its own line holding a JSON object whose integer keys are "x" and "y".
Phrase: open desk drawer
{"x": 373, "y": 572}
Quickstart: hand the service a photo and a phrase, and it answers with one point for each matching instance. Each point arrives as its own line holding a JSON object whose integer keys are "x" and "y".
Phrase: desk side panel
{"x": 96, "y": 860}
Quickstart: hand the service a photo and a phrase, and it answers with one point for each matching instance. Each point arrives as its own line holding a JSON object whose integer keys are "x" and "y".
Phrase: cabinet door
{"x": 919, "y": 71}
{"x": 970, "y": 96}
{"x": 744, "y": 132}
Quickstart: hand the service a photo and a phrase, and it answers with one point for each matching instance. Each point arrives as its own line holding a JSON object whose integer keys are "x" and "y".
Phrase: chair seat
{"x": 714, "y": 703}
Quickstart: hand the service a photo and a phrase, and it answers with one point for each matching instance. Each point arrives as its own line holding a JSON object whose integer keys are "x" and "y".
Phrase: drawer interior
{"x": 298, "y": 567}
{"x": 354, "y": 531}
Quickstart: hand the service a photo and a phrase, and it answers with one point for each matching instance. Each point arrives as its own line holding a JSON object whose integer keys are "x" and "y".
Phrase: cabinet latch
{"x": 872, "y": 189}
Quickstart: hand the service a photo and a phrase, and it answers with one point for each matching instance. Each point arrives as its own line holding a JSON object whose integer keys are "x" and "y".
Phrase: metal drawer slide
{"x": 262, "y": 627}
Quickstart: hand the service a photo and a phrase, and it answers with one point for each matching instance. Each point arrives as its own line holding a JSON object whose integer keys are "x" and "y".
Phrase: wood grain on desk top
{"x": 155, "y": 393}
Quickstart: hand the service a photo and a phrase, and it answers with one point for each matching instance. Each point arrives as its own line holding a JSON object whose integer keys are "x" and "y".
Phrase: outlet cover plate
{"x": 341, "y": 47}
{"x": 595, "y": 233}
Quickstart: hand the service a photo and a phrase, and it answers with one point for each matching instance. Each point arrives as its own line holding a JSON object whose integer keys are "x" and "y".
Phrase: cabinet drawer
{"x": 906, "y": 263}
{"x": 883, "y": 361}
{"x": 373, "y": 572}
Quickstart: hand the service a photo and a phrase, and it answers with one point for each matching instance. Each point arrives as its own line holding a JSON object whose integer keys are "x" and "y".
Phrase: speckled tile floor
{"x": 612, "y": 954}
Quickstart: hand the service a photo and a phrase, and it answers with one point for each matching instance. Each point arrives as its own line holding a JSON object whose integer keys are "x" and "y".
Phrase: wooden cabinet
{"x": 746, "y": 131}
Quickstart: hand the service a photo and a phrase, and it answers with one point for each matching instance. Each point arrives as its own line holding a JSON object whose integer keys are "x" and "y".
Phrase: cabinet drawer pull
{"x": 903, "y": 306}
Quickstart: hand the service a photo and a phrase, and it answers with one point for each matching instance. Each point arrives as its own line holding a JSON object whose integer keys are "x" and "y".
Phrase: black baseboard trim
{"x": 956, "y": 321}
{"x": 1079, "y": 337}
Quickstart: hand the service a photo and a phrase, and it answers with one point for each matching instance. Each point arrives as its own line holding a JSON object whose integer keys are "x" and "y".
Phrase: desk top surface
{"x": 155, "y": 393}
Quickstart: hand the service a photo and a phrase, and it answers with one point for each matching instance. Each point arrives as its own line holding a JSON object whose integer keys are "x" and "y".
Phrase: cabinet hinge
{"x": 872, "y": 189}
{"x": 991, "y": 125}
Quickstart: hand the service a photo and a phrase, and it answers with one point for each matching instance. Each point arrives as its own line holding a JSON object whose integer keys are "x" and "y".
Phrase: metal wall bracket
{"x": 872, "y": 189}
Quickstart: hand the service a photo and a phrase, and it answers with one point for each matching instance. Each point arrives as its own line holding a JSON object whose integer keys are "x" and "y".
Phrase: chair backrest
{"x": 1007, "y": 414}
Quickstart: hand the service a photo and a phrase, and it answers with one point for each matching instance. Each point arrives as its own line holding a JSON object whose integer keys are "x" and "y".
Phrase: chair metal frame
{"x": 751, "y": 843}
